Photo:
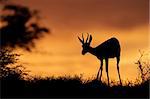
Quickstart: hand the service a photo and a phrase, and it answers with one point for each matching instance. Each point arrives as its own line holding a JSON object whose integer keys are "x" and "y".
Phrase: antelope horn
{"x": 87, "y": 37}
{"x": 82, "y": 38}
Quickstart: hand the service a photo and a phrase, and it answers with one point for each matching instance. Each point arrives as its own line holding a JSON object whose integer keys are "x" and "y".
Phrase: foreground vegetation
{"x": 70, "y": 87}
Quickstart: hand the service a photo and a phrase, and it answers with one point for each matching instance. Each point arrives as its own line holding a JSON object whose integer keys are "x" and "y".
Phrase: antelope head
{"x": 86, "y": 44}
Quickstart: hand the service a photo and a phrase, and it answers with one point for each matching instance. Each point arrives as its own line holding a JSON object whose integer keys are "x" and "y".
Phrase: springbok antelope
{"x": 104, "y": 51}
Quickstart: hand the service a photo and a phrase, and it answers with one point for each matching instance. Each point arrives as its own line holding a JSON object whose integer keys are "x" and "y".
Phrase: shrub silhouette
{"x": 11, "y": 75}
{"x": 71, "y": 87}
{"x": 143, "y": 67}
{"x": 8, "y": 69}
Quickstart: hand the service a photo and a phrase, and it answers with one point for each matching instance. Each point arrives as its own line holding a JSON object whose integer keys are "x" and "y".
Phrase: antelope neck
{"x": 92, "y": 50}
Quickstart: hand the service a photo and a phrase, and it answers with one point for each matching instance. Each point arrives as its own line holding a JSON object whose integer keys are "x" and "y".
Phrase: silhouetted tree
{"x": 8, "y": 69}
{"x": 19, "y": 28}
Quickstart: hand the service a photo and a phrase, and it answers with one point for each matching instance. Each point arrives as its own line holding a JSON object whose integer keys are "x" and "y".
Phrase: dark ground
{"x": 70, "y": 87}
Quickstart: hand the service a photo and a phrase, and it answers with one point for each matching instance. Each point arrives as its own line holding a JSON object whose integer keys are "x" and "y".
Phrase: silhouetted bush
{"x": 11, "y": 75}
{"x": 143, "y": 67}
{"x": 71, "y": 87}
{"x": 8, "y": 69}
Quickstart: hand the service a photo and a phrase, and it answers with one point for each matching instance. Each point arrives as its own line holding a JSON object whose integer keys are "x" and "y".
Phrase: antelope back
{"x": 109, "y": 48}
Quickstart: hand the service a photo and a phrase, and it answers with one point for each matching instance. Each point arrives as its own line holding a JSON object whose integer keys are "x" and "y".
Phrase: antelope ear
{"x": 90, "y": 39}
{"x": 80, "y": 40}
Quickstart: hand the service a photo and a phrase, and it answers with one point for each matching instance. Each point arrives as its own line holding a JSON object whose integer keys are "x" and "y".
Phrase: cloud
{"x": 120, "y": 14}
{"x": 76, "y": 14}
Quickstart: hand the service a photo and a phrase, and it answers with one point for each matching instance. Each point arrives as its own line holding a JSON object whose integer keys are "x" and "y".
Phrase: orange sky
{"x": 59, "y": 53}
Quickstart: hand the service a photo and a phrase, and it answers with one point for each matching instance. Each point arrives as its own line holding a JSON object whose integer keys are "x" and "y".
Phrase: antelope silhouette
{"x": 104, "y": 51}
